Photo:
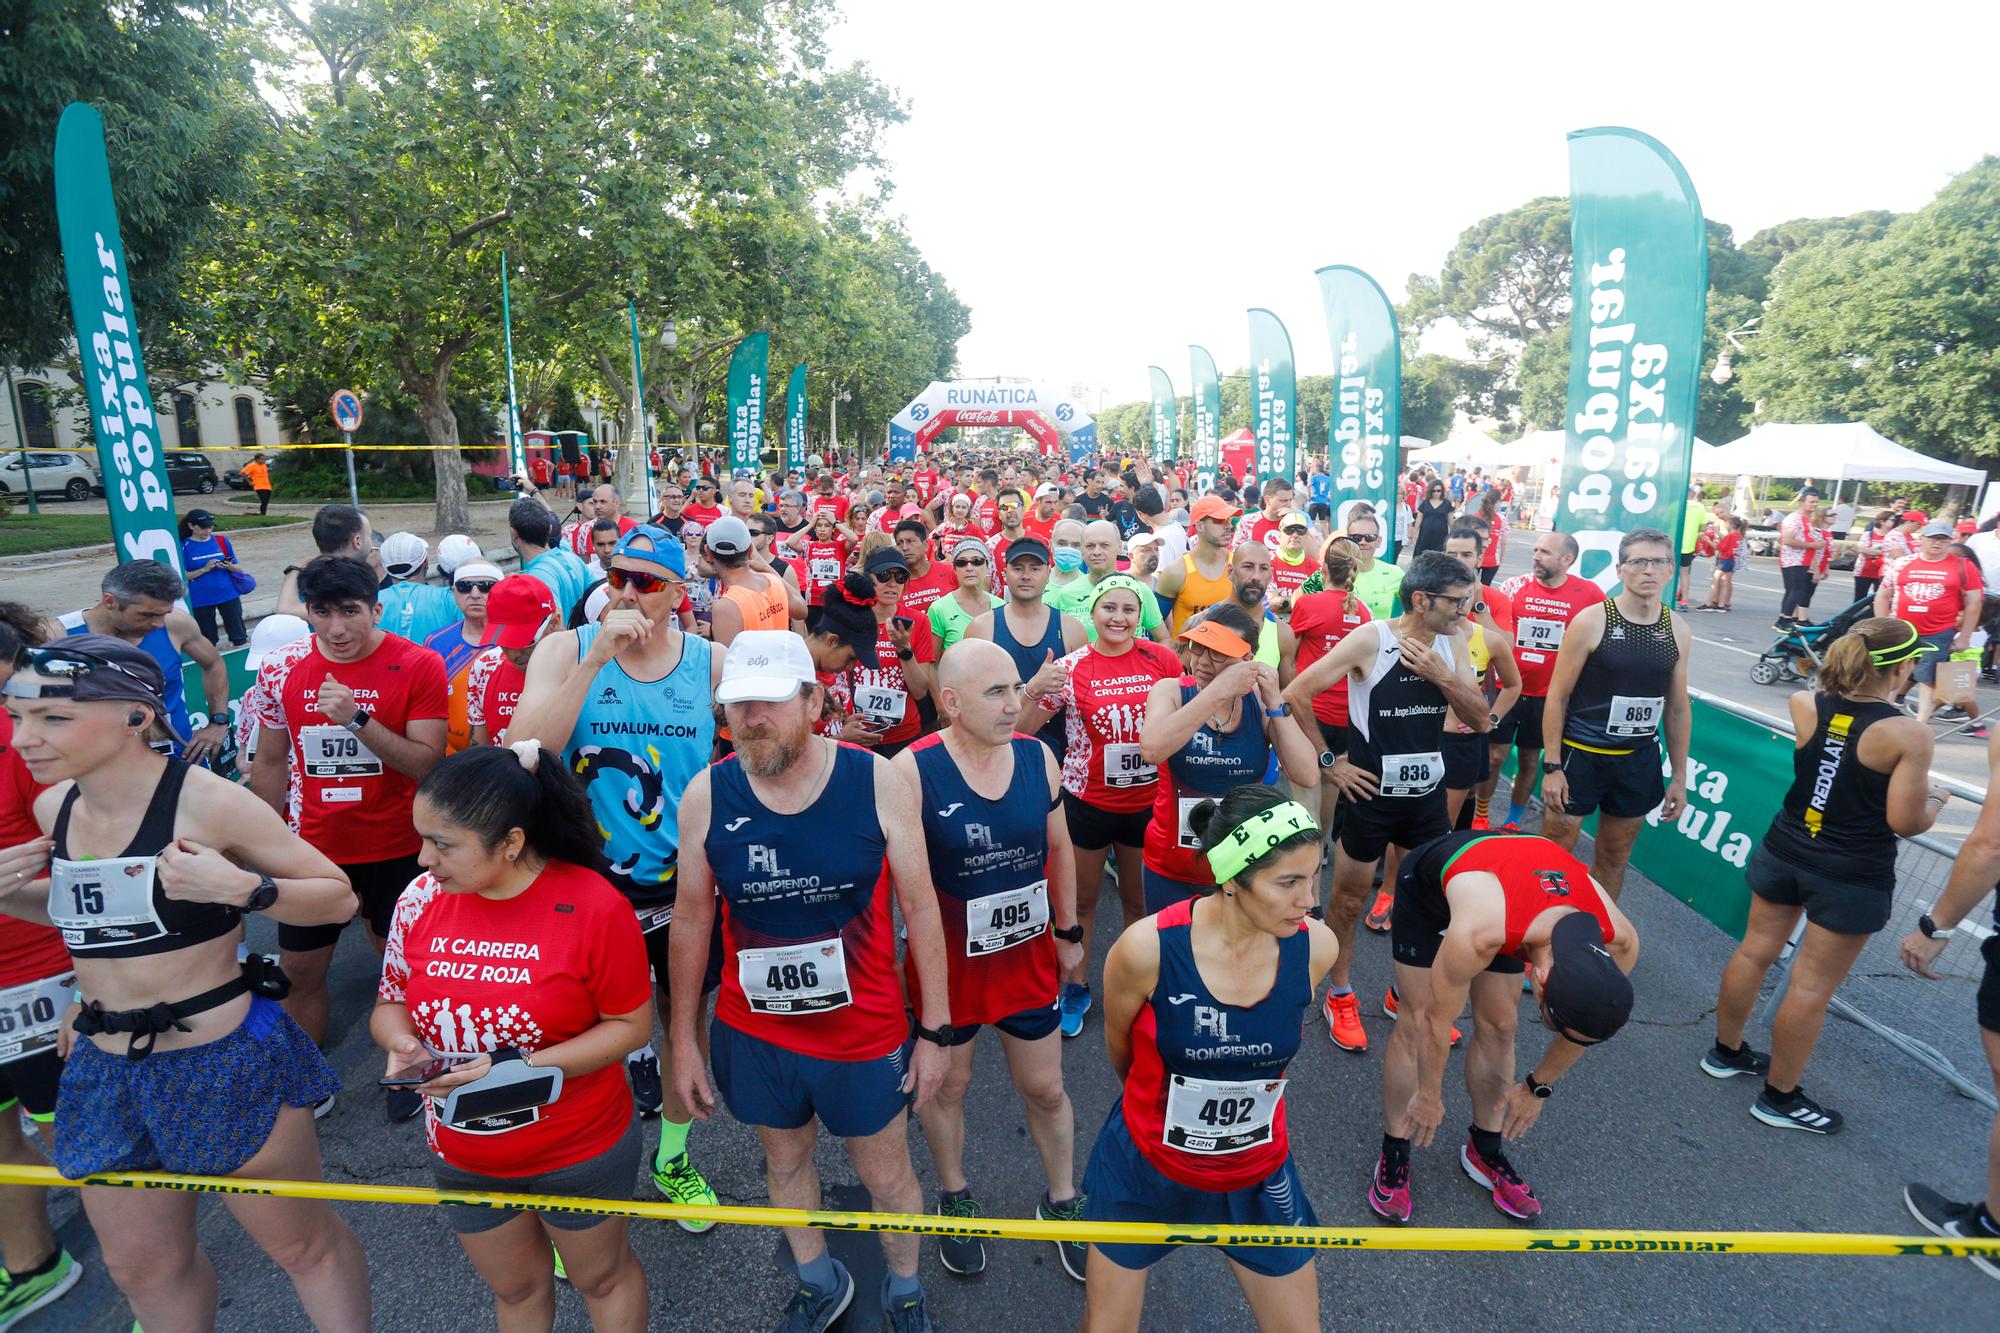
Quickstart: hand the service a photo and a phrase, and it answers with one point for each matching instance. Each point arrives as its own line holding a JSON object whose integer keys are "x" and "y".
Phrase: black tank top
{"x": 1621, "y": 693}
{"x": 1396, "y": 719}
{"x": 1028, "y": 659}
{"x": 95, "y": 903}
{"x": 1833, "y": 822}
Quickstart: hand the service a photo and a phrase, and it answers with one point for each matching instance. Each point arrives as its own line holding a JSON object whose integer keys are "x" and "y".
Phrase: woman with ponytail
{"x": 1860, "y": 779}
{"x": 1203, "y": 1005}
{"x": 510, "y": 955}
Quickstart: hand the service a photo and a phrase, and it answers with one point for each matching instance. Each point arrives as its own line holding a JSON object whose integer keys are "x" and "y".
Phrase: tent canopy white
{"x": 1466, "y": 446}
{"x": 1843, "y": 451}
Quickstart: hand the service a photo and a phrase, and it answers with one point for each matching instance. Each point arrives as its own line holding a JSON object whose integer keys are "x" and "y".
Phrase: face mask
{"x": 1068, "y": 559}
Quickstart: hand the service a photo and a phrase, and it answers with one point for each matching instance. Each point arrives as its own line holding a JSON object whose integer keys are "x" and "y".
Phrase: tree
{"x": 1544, "y": 380}
{"x": 1430, "y": 395}
{"x": 1507, "y": 279}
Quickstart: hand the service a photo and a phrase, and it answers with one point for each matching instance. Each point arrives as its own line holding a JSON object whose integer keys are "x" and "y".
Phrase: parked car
{"x": 55, "y": 472}
{"x": 192, "y": 472}
{"x": 235, "y": 480}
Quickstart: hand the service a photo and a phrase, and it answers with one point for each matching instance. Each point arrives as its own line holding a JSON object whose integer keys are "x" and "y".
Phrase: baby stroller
{"x": 1798, "y": 652}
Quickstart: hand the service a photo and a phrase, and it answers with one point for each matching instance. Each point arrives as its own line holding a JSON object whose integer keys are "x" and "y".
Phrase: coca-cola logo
{"x": 988, "y": 418}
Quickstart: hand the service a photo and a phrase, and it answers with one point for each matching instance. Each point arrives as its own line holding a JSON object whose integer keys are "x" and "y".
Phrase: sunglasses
{"x": 473, "y": 585}
{"x": 1360, "y": 540}
{"x": 67, "y": 664}
{"x": 892, "y": 576}
{"x": 970, "y": 562}
{"x": 638, "y": 580}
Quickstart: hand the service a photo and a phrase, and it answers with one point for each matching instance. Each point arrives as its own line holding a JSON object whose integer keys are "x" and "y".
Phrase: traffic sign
{"x": 346, "y": 408}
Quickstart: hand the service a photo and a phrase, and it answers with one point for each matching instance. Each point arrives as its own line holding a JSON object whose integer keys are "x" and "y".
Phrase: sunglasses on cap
{"x": 66, "y": 664}
{"x": 638, "y": 580}
{"x": 473, "y": 585}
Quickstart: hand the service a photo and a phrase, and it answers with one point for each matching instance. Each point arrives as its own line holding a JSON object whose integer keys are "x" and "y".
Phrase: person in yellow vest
{"x": 1200, "y": 579}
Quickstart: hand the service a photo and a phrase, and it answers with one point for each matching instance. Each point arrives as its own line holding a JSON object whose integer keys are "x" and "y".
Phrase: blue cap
{"x": 666, "y": 551}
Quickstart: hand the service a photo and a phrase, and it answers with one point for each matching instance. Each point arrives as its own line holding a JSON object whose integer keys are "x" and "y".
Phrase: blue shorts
{"x": 1163, "y": 891}
{"x": 1725, "y": 564}
{"x": 203, "y": 1110}
{"x": 779, "y": 1089}
{"x": 1120, "y": 1185}
{"x": 1028, "y": 1025}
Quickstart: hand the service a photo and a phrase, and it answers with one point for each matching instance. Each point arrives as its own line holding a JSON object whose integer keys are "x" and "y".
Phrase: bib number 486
{"x": 792, "y": 976}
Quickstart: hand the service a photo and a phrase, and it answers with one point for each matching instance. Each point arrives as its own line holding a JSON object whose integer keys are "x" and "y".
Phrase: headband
{"x": 1914, "y": 646}
{"x": 1125, "y": 581}
{"x": 1256, "y": 836}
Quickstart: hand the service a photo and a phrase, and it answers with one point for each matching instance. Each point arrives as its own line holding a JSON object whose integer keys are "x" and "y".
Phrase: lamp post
{"x": 835, "y": 398}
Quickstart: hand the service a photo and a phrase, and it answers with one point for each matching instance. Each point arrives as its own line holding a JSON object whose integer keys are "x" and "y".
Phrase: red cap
{"x": 516, "y": 610}
{"x": 1966, "y": 527}
{"x": 1916, "y": 516}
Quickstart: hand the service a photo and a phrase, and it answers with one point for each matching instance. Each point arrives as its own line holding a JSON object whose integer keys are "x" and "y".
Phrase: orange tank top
{"x": 1198, "y": 593}
{"x": 769, "y": 609}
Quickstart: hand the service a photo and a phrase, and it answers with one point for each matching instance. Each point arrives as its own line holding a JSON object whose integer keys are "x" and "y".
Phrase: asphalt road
{"x": 1635, "y": 1137}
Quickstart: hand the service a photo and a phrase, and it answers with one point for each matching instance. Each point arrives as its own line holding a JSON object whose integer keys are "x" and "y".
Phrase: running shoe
{"x": 1377, "y": 919}
{"x": 22, "y": 1296}
{"x": 1389, "y": 1007}
{"x": 905, "y": 1314}
{"x": 681, "y": 1183}
{"x": 1073, "y": 1253}
{"x": 1719, "y": 1063}
{"x": 322, "y": 1106}
{"x": 812, "y": 1310}
{"x": 1389, "y": 1191}
{"x": 399, "y": 1105}
{"x": 963, "y": 1255}
{"x": 1783, "y": 624}
{"x": 1511, "y": 1194}
{"x": 1510, "y": 827}
{"x": 1480, "y": 824}
{"x": 1075, "y": 1004}
{"x": 562, "y": 1274}
{"x": 647, "y": 1093}
{"x": 1343, "y": 1022}
{"x": 1954, "y": 1221}
{"x": 1797, "y": 1111}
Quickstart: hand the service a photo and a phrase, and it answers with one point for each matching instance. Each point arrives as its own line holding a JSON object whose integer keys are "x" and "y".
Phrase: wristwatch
{"x": 1552, "y": 766}
{"x": 1282, "y": 710}
{"x": 1929, "y": 929}
{"x": 941, "y": 1035}
{"x": 1327, "y": 759}
{"x": 266, "y": 893}
{"x": 1539, "y": 1088}
{"x": 905, "y": 654}
{"x": 1074, "y": 934}
{"x": 1493, "y": 718}
{"x": 359, "y": 721}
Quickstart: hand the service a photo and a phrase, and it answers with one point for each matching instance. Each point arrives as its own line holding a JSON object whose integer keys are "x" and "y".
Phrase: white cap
{"x": 594, "y": 605}
{"x": 768, "y": 665}
{"x": 402, "y": 553}
{"x": 478, "y": 569}
{"x": 270, "y": 634}
{"x": 455, "y": 550}
{"x": 1138, "y": 539}
{"x": 1049, "y": 489}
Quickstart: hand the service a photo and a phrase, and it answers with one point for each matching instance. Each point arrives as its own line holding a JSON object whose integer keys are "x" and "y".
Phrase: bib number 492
{"x": 1223, "y": 1112}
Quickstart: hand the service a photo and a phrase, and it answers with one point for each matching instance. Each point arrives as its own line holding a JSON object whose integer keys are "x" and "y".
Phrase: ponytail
{"x": 1342, "y": 559}
{"x": 1850, "y": 665}
{"x": 490, "y": 790}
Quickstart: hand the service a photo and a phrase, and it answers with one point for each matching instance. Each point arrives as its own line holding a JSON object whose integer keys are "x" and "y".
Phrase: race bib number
{"x": 30, "y": 1014}
{"x": 1539, "y": 635}
{"x": 880, "y": 703}
{"x": 823, "y": 571}
{"x": 797, "y": 979}
{"x": 1002, "y": 920}
{"x": 1184, "y": 834}
{"x": 336, "y": 752}
{"x": 1412, "y": 774}
{"x": 1635, "y": 717}
{"x": 1211, "y": 1118}
{"x": 1124, "y": 768}
{"x": 103, "y": 904}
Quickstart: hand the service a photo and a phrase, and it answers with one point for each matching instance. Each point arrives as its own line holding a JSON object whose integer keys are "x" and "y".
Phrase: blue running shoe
{"x": 812, "y": 1310}
{"x": 1075, "y": 1004}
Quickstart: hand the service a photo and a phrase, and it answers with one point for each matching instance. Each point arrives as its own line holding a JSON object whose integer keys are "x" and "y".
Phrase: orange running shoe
{"x": 1481, "y": 824}
{"x": 1343, "y": 1022}
{"x": 1377, "y": 919}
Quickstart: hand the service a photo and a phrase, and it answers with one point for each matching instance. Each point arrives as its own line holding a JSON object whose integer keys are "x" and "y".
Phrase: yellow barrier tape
{"x": 1012, "y": 1228}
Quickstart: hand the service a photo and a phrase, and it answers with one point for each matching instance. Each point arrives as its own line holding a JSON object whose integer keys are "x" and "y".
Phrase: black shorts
{"x": 378, "y": 884}
{"x": 653, "y": 929}
{"x": 1028, "y": 1025}
{"x": 1687, "y": 559}
{"x": 1989, "y": 985}
{"x": 1093, "y": 829}
{"x": 1467, "y": 759}
{"x": 1624, "y": 786}
{"x": 1522, "y": 727}
{"x": 30, "y": 1083}
{"x": 1844, "y": 909}
{"x": 1369, "y": 827}
{"x": 1418, "y": 920}
{"x": 1322, "y": 512}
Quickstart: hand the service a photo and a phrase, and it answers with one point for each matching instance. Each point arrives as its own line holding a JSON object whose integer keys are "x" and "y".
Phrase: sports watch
{"x": 262, "y": 896}
{"x": 1552, "y": 766}
{"x": 1072, "y": 934}
{"x": 941, "y": 1035}
{"x": 1540, "y": 1089}
{"x": 1929, "y": 929}
{"x": 359, "y": 722}
{"x": 1327, "y": 759}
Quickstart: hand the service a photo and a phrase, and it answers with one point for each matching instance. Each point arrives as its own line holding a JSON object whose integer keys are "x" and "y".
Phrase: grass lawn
{"x": 22, "y": 533}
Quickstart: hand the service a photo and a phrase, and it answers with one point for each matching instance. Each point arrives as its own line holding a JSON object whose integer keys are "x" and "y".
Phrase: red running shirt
{"x": 824, "y": 563}
{"x": 1106, "y": 699}
{"x": 28, "y": 952}
{"x": 1930, "y": 594}
{"x": 493, "y": 688}
{"x": 1535, "y": 874}
{"x": 1321, "y": 620}
{"x": 923, "y": 589}
{"x": 883, "y": 693}
{"x": 530, "y": 972}
{"x": 352, "y": 806}
{"x": 838, "y": 504}
{"x": 1541, "y": 618}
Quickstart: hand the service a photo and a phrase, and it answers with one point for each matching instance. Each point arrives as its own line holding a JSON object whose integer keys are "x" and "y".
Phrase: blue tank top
{"x": 990, "y": 846}
{"x": 635, "y": 747}
{"x": 1204, "y": 1038}
{"x": 161, "y": 645}
{"x": 1213, "y": 762}
{"x": 1028, "y": 659}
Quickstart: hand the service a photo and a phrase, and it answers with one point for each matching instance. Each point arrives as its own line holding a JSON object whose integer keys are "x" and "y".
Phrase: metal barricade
{"x": 1932, "y": 1022}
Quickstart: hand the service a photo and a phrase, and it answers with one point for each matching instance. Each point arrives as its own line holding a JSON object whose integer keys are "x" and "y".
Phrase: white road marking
{"x": 1726, "y": 647}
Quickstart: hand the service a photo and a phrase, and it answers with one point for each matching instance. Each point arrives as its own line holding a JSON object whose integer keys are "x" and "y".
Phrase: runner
{"x": 929, "y": 579}
{"x": 825, "y": 553}
{"x": 1486, "y": 508}
{"x": 531, "y": 527}
{"x": 1544, "y": 604}
{"x": 749, "y": 599}
{"x": 1210, "y": 730}
{"x": 1941, "y": 593}
{"x": 1275, "y": 499}
{"x": 521, "y": 611}
{"x": 1107, "y": 784}
{"x": 360, "y": 714}
{"x": 703, "y": 507}
{"x": 882, "y": 690}
{"x": 137, "y": 605}
{"x": 803, "y": 841}
{"x": 1620, "y": 680}
{"x": 1011, "y": 506}
{"x": 1034, "y": 634}
{"x": 1200, "y": 579}
{"x": 412, "y": 608}
{"x": 971, "y": 563}
{"x": 1005, "y": 880}
{"x": 1860, "y": 777}
{"x": 340, "y": 530}
{"x": 628, "y": 703}
{"x": 1066, "y": 555}
{"x": 1801, "y": 542}
{"x": 1468, "y": 759}
{"x": 1319, "y": 621}
{"x": 1048, "y": 509}
{"x": 457, "y": 644}
{"x": 1473, "y": 912}
{"x": 1378, "y": 581}
{"x": 1404, "y": 677}
{"x": 148, "y": 868}
{"x": 1198, "y": 1133}
{"x": 1291, "y": 566}
{"x": 1101, "y": 547}
{"x": 510, "y": 864}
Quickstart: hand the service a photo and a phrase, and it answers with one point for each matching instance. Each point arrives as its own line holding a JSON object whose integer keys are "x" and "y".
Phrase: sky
{"x": 1104, "y": 183}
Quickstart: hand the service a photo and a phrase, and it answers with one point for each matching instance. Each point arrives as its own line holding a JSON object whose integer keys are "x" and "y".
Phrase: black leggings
{"x": 1798, "y": 589}
{"x": 1865, "y": 587}
{"x": 232, "y": 620}
{"x": 263, "y": 502}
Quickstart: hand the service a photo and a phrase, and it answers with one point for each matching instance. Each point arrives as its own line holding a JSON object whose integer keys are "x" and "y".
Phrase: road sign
{"x": 346, "y": 408}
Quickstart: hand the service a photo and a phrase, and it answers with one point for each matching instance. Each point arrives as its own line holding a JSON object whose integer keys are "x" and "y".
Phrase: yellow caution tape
{"x": 1011, "y": 1228}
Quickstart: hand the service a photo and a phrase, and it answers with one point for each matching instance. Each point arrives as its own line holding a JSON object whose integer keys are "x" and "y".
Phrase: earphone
{"x": 135, "y": 718}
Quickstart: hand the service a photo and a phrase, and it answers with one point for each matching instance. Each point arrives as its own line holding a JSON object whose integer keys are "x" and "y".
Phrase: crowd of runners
{"x": 818, "y": 776}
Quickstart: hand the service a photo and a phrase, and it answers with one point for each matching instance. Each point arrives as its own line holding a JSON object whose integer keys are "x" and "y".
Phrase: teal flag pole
{"x": 1166, "y": 418}
{"x": 1366, "y": 424}
{"x": 1273, "y": 397}
{"x": 1207, "y": 417}
{"x": 517, "y": 452}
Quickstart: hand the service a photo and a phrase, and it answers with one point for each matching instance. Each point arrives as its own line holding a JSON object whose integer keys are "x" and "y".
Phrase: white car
{"x": 55, "y": 472}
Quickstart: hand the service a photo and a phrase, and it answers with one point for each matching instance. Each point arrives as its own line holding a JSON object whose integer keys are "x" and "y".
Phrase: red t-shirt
{"x": 1256, "y": 529}
{"x": 883, "y": 693}
{"x": 702, "y": 514}
{"x": 579, "y": 535}
{"x": 540, "y": 471}
{"x": 352, "y": 806}
{"x": 1106, "y": 698}
{"x": 530, "y": 972}
{"x": 492, "y": 688}
{"x": 28, "y": 952}
{"x": 1731, "y": 542}
{"x": 824, "y": 563}
{"x": 1930, "y": 594}
{"x": 986, "y": 511}
{"x": 1500, "y": 605}
{"x": 925, "y": 588}
{"x": 1041, "y": 527}
{"x": 926, "y": 484}
{"x": 1287, "y": 579}
{"x": 838, "y": 504}
{"x": 1541, "y": 616}
{"x": 1321, "y": 620}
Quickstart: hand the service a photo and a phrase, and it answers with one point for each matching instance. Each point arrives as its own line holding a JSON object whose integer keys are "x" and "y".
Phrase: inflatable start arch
{"x": 1037, "y": 410}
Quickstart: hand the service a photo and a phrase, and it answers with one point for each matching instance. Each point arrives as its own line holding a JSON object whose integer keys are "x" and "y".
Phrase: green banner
{"x": 1366, "y": 424}
{"x": 111, "y": 366}
{"x": 1274, "y": 395}
{"x": 517, "y": 449}
{"x": 795, "y": 418}
{"x": 1166, "y": 418}
{"x": 748, "y": 366}
{"x": 1207, "y": 418}
{"x": 1639, "y": 284}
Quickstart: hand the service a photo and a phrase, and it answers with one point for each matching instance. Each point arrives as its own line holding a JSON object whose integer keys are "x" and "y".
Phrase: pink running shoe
{"x": 1511, "y": 1194}
{"x": 1389, "y": 1192}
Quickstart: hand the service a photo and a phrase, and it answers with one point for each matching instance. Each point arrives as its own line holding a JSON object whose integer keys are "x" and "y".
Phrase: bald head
{"x": 1101, "y": 541}
{"x": 980, "y": 692}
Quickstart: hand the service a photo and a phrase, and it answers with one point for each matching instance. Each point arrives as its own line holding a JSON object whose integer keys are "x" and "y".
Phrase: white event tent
{"x": 1839, "y": 452}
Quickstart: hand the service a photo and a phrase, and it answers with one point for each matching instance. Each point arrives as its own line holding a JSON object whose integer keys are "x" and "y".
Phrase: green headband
{"x": 1257, "y": 835}
{"x": 1116, "y": 581}
{"x": 1914, "y": 646}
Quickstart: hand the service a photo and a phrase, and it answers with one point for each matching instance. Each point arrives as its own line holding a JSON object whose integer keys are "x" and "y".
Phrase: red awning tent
{"x": 1239, "y": 453}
